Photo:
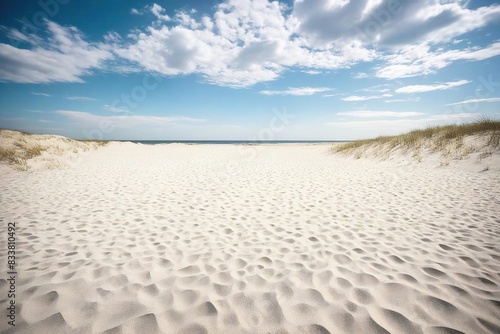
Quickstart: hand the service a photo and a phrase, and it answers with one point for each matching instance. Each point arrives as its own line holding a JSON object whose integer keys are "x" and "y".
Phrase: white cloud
{"x": 360, "y": 75}
{"x": 112, "y": 37}
{"x": 429, "y": 88}
{"x": 382, "y": 88}
{"x": 389, "y": 23}
{"x": 246, "y": 42}
{"x": 16, "y": 35}
{"x": 115, "y": 109}
{"x": 186, "y": 20}
{"x": 243, "y": 43}
{"x": 64, "y": 57}
{"x": 490, "y": 100}
{"x": 158, "y": 11}
{"x": 444, "y": 117}
{"x": 414, "y": 99}
{"x": 418, "y": 60}
{"x": 302, "y": 91}
{"x": 124, "y": 121}
{"x": 80, "y": 98}
{"x": 41, "y": 94}
{"x": 312, "y": 72}
{"x": 369, "y": 114}
{"x": 356, "y": 98}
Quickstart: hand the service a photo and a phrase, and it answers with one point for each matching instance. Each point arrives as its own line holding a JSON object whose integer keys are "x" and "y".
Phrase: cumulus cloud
{"x": 302, "y": 91}
{"x": 159, "y": 11}
{"x": 389, "y": 23}
{"x": 64, "y": 57}
{"x": 429, "y": 88}
{"x": 245, "y": 42}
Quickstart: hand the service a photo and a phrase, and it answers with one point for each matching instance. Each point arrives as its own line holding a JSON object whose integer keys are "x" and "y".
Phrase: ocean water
{"x": 231, "y": 142}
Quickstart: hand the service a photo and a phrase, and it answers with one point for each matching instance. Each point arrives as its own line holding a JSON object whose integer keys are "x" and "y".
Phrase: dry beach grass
{"x": 25, "y": 152}
{"x": 480, "y": 138}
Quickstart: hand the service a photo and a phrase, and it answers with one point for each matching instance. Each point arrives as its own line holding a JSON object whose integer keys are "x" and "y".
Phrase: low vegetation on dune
{"x": 95, "y": 142}
{"x": 20, "y": 150}
{"x": 450, "y": 141}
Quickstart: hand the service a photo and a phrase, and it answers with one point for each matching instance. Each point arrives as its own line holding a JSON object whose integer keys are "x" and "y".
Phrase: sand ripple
{"x": 167, "y": 239}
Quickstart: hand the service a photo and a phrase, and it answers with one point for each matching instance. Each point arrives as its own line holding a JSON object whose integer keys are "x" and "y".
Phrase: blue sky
{"x": 241, "y": 69}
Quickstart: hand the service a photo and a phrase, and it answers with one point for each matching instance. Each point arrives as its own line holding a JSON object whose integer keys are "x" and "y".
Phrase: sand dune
{"x": 31, "y": 152}
{"x": 244, "y": 239}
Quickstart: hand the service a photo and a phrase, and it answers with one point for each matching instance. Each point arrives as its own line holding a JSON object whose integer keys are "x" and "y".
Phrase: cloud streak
{"x": 417, "y": 60}
{"x": 356, "y": 98}
{"x": 124, "y": 121}
{"x": 65, "y": 57}
{"x": 302, "y": 91}
{"x": 472, "y": 101}
{"x": 429, "y": 88}
{"x": 373, "y": 114}
{"x": 80, "y": 98}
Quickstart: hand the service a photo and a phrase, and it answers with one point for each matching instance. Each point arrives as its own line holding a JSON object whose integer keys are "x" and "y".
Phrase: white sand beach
{"x": 132, "y": 238}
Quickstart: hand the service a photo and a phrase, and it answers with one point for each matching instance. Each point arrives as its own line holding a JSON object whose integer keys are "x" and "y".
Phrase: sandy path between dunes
{"x": 291, "y": 239}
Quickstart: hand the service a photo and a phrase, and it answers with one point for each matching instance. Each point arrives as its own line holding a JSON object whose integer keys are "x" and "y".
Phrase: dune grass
{"x": 21, "y": 152}
{"x": 94, "y": 141}
{"x": 17, "y": 148}
{"x": 447, "y": 139}
{"x": 9, "y": 155}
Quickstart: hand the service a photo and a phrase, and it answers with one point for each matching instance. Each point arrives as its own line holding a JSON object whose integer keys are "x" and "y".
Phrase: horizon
{"x": 309, "y": 70}
{"x": 250, "y": 141}
{"x": 481, "y": 119}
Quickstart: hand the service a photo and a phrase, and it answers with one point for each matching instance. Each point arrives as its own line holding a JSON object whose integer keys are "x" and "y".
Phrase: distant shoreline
{"x": 231, "y": 142}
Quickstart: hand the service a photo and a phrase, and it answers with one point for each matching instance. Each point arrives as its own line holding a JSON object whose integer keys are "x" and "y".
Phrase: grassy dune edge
{"x": 450, "y": 142}
{"x": 27, "y": 152}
